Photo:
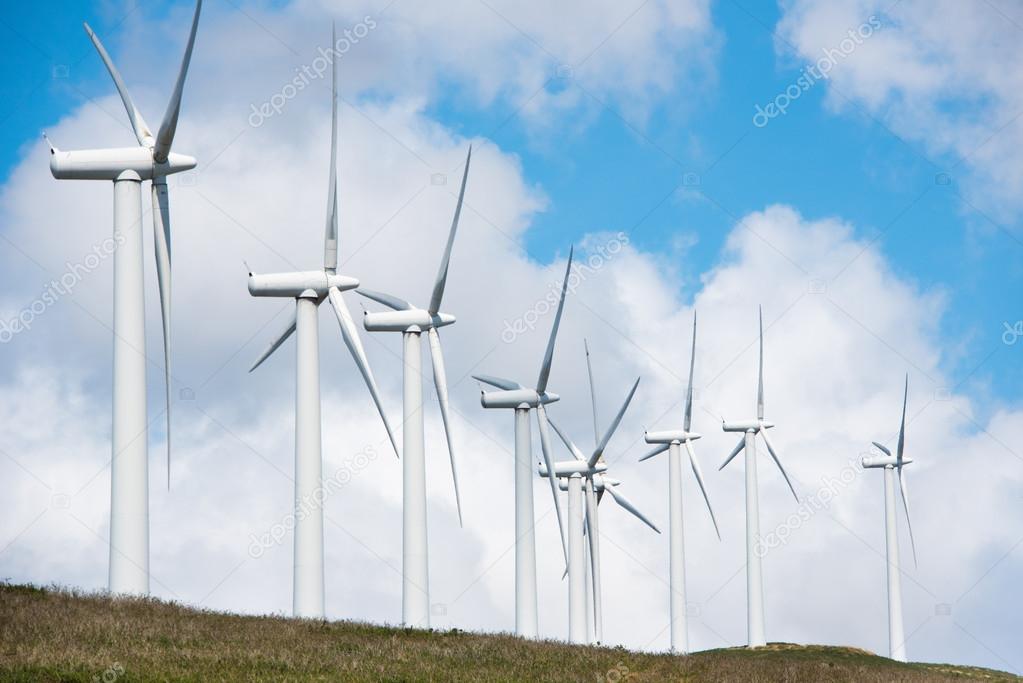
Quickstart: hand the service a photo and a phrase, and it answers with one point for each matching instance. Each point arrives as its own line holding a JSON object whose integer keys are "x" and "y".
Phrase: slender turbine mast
{"x": 412, "y": 322}
{"x": 750, "y": 429}
{"x": 892, "y": 466}
{"x": 584, "y": 477}
{"x": 672, "y": 442}
{"x": 309, "y": 289}
{"x": 127, "y": 167}
{"x": 511, "y": 394}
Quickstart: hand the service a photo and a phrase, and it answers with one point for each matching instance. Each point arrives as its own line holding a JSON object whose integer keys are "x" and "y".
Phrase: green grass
{"x": 63, "y": 635}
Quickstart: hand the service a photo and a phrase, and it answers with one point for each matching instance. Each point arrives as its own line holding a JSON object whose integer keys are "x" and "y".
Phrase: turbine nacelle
{"x": 671, "y": 436}
{"x": 568, "y": 468}
{"x": 109, "y": 164}
{"x": 305, "y": 284}
{"x": 516, "y": 398}
{"x": 746, "y": 426}
{"x": 399, "y": 321}
{"x": 883, "y": 461}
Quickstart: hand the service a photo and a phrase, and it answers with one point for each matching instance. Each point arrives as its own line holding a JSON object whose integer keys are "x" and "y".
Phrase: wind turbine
{"x": 511, "y": 394}
{"x": 892, "y": 466}
{"x": 672, "y": 441}
{"x": 309, "y": 289}
{"x": 586, "y": 476}
{"x": 754, "y": 575}
{"x": 412, "y": 322}
{"x": 127, "y": 167}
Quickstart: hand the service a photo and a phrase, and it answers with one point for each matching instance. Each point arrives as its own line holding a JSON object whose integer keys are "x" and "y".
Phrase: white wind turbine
{"x": 511, "y": 394}
{"x": 892, "y": 466}
{"x": 412, "y": 322}
{"x": 754, "y": 575}
{"x": 127, "y": 167}
{"x": 309, "y": 289}
{"x": 585, "y": 476}
{"x": 672, "y": 441}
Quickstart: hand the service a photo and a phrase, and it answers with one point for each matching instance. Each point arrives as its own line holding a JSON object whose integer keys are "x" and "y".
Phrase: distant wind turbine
{"x": 892, "y": 466}
{"x": 672, "y": 441}
{"x": 586, "y": 481}
{"x": 412, "y": 322}
{"x": 754, "y": 575}
{"x": 512, "y": 395}
{"x": 127, "y": 167}
{"x": 309, "y": 289}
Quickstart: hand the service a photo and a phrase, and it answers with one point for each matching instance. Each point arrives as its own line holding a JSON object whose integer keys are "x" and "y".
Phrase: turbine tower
{"x": 672, "y": 442}
{"x": 512, "y": 395}
{"x": 127, "y": 167}
{"x": 585, "y": 476}
{"x": 750, "y": 429}
{"x": 309, "y": 289}
{"x": 412, "y": 322}
{"x": 892, "y": 466}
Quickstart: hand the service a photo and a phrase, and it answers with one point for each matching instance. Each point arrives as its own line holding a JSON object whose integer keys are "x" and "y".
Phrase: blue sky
{"x": 614, "y": 174}
{"x": 912, "y": 145}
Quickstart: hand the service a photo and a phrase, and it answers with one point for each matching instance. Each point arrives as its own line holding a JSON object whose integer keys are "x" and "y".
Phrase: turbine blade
{"x": 161, "y": 240}
{"x": 505, "y": 384}
{"x": 330, "y": 237}
{"x": 440, "y": 381}
{"x": 688, "y": 418}
{"x": 657, "y": 451}
{"x": 902, "y": 426}
{"x": 593, "y": 527}
{"x": 548, "y": 358}
{"x": 545, "y": 445}
{"x": 442, "y": 274}
{"x": 165, "y": 136}
{"x": 391, "y": 302}
{"x": 905, "y": 506}
{"x": 627, "y": 504}
{"x": 882, "y": 448}
{"x": 281, "y": 337}
{"x": 351, "y": 336}
{"x": 614, "y": 425}
{"x": 593, "y": 394}
{"x": 770, "y": 449}
{"x": 735, "y": 452}
{"x": 760, "y": 377}
{"x": 138, "y": 124}
{"x": 568, "y": 442}
{"x": 703, "y": 489}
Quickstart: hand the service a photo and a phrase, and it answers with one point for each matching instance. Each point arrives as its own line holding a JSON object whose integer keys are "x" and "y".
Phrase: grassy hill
{"x": 59, "y": 635}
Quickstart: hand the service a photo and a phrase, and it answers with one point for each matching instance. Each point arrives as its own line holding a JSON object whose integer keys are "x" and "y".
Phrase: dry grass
{"x": 60, "y": 635}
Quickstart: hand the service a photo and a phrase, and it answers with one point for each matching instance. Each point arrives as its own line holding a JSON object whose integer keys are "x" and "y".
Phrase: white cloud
{"x": 943, "y": 75}
{"x": 835, "y": 362}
